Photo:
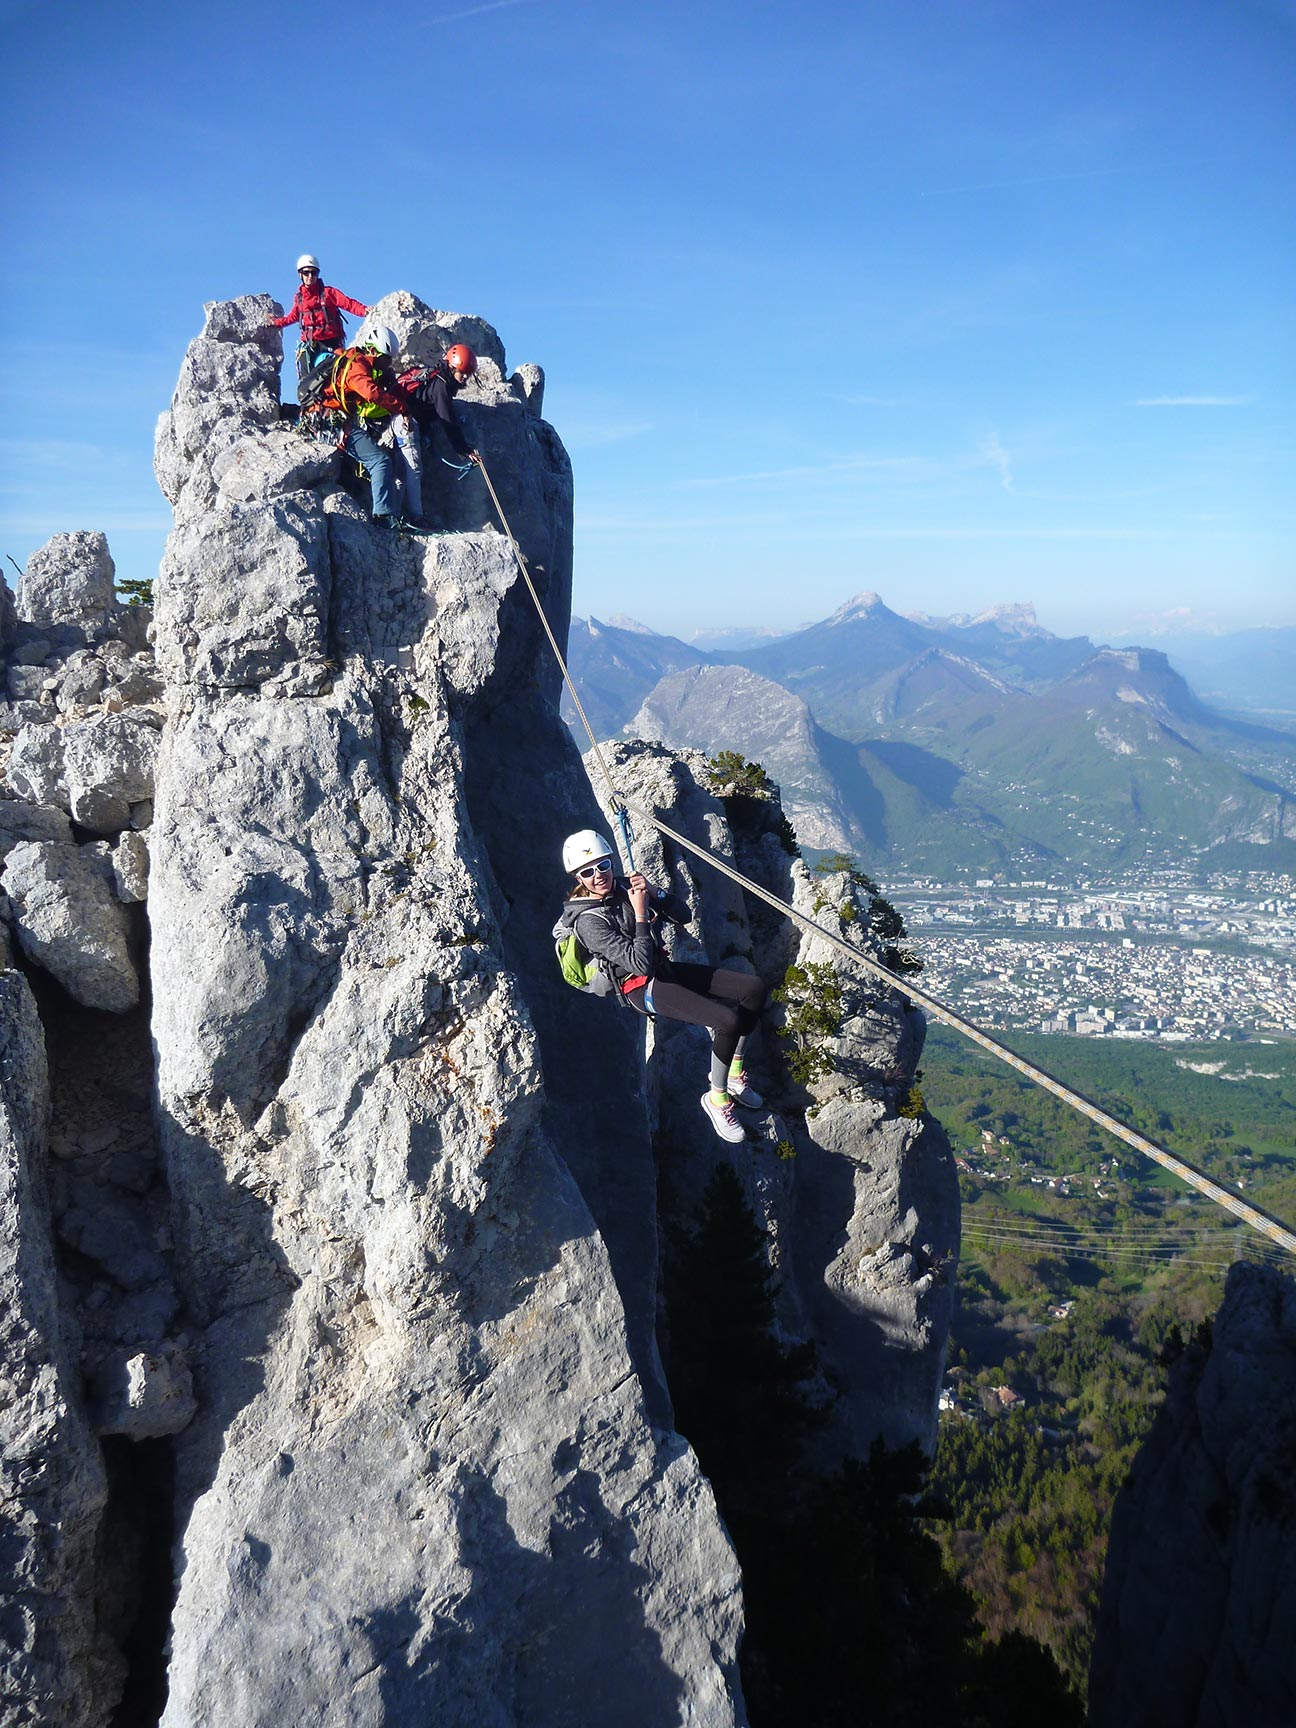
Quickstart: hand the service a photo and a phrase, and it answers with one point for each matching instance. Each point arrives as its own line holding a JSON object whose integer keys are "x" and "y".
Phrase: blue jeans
{"x": 361, "y": 443}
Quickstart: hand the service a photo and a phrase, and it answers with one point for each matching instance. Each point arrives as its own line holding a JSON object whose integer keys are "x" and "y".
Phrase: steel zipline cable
{"x": 1258, "y": 1219}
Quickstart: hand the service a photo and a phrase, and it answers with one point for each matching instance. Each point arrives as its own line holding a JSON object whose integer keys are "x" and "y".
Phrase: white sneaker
{"x": 743, "y": 1093}
{"x": 723, "y": 1118}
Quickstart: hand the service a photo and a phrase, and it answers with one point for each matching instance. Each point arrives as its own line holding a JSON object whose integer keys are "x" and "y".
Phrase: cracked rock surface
{"x": 331, "y": 1390}
{"x": 422, "y": 1479}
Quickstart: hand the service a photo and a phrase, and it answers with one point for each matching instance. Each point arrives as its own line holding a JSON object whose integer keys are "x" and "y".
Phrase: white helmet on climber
{"x": 584, "y": 848}
{"x": 307, "y": 261}
{"x": 384, "y": 340}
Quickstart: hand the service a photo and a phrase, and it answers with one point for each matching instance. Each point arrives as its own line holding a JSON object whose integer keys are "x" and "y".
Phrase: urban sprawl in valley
{"x": 1151, "y": 955}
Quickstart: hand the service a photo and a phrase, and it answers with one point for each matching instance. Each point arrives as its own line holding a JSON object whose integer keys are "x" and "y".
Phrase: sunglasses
{"x": 308, "y": 272}
{"x": 599, "y": 867}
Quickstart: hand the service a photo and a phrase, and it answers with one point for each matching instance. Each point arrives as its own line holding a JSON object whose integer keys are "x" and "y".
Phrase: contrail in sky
{"x": 475, "y": 11}
{"x": 1193, "y": 402}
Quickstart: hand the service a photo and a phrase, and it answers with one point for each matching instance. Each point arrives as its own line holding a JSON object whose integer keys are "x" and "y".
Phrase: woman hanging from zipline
{"x": 619, "y": 921}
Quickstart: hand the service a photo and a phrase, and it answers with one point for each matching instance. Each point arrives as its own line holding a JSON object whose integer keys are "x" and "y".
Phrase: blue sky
{"x": 963, "y": 303}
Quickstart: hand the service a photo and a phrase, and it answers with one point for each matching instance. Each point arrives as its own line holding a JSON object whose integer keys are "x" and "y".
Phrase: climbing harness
{"x": 1258, "y": 1219}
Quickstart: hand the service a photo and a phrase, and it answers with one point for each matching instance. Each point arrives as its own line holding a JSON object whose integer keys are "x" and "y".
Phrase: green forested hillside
{"x": 1084, "y": 1271}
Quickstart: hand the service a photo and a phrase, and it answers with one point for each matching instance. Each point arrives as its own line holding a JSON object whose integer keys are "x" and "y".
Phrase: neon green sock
{"x": 719, "y": 1097}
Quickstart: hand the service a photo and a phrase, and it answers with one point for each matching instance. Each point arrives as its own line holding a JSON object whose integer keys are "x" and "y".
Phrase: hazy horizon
{"x": 1157, "y": 633}
{"x": 949, "y": 302}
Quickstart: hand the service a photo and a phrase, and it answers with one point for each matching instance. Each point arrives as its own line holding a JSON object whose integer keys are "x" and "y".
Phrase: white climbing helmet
{"x": 584, "y": 848}
{"x": 384, "y": 340}
{"x": 308, "y": 261}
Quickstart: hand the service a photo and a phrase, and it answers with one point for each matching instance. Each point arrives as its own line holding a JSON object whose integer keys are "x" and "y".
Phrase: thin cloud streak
{"x": 1193, "y": 401}
{"x": 474, "y": 11}
{"x": 989, "y": 453}
{"x": 796, "y": 528}
{"x": 998, "y": 458}
{"x": 808, "y": 471}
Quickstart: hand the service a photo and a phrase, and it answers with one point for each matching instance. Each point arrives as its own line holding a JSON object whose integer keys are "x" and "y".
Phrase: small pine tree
{"x": 813, "y": 1000}
{"x": 733, "y": 776}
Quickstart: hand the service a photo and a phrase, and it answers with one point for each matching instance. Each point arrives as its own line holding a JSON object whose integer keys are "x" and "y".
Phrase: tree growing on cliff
{"x": 812, "y": 1002}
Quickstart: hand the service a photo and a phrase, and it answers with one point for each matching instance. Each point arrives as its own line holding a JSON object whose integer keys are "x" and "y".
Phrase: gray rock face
{"x": 421, "y": 1481}
{"x": 69, "y": 581}
{"x": 130, "y": 868}
{"x": 95, "y": 768}
{"x": 228, "y": 389}
{"x": 78, "y": 1527}
{"x": 1199, "y": 1593}
{"x": 8, "y": 617}
{"x": 529, "y": 381}
{"x": 861, "y": 1212}
{"x": 271, "y": 465}
{"x": 144, "y": 1395}
{"x": 424, "y": 334}
{"x": 108, "y": 765}
{"x": 20, "y": 821}
{"x": 54, "y": 1666}
{"x": 366, "y": 1263}
{"x": 69, "y": 923}
{"x": 259, "y": 616}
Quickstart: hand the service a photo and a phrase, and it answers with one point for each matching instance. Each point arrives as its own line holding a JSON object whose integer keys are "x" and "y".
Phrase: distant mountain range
{"x": 1252, "y": 670}
{"x": 953, "y": 745}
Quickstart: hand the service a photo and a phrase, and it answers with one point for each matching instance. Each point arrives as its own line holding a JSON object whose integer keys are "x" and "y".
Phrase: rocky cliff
{"x": 857, "y": 1197}
{"x": 1199, "y": 1596}
{"x": 332, "y": 1391}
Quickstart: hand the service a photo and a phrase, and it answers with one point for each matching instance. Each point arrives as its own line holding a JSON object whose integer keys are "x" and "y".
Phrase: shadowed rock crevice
{"x": 109, "y": 1207}
{"x": 136, "y": 1590}
{"x": 1199, "y": 1591}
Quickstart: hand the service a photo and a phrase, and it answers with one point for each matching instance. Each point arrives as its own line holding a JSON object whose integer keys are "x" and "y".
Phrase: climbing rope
{"x": 1197, "y": 1179}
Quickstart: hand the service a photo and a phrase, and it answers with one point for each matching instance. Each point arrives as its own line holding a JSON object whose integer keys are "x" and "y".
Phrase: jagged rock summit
{"x": 329, "y": 1269}
{"x": 419, "y": 1475}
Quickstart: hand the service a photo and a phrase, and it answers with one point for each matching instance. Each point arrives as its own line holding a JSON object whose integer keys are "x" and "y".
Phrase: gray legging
{"x": 727, "y": 1002}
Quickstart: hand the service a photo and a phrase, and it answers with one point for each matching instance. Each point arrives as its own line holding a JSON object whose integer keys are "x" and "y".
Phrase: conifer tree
{"x": 738, "y": 1390}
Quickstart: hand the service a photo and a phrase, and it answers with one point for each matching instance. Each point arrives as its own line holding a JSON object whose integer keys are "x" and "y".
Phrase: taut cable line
{"x": 1255, "y": 1216}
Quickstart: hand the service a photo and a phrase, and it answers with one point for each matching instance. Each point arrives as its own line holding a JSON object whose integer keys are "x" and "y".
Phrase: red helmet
{"x": 461, "y": 358}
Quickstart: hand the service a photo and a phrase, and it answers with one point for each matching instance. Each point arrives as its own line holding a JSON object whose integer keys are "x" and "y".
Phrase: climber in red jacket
{"x": 319, "y": 310}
